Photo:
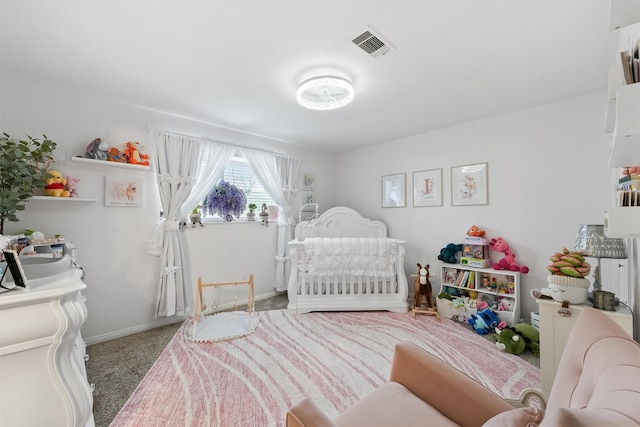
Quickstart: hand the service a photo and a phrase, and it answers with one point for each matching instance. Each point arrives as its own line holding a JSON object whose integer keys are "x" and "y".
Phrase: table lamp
{"x": 592, "y": 242}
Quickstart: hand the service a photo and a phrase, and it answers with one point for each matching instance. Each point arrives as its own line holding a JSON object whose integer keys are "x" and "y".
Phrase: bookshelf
{"x": 621, "y": 121}
{"x": 464, "y": 286}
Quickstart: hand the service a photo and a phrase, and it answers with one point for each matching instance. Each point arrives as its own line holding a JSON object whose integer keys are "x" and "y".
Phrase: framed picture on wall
{"x": 394, "y": 191}
{"x": 427, "y": 188}
{"x": 469, "y": 185}
{"x": 309, "y": 180}
{"x": 122, "y": 191}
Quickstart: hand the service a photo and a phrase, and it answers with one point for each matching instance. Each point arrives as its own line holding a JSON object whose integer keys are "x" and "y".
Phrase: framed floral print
{"x": 469, "y": 185}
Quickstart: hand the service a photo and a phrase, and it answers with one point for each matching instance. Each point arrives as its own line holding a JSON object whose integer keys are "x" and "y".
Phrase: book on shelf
{"x": 462, "y": 277}
{"x": 630, "y": 61}
{"x": 471, "y": 283}
{"x": 450, "y": 275}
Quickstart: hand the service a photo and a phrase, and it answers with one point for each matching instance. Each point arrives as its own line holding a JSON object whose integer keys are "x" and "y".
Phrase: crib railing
{"x": 363, "y": 291}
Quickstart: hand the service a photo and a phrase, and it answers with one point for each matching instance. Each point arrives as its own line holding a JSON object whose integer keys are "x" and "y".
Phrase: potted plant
{"x": 195, "y": 216}
{"x": 251, "y": 215}
{"x": 227, "y": 200}
{"x": 23, "y": 170}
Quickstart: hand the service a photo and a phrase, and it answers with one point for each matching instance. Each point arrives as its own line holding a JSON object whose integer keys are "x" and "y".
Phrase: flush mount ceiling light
{"x": 325, "y": 93}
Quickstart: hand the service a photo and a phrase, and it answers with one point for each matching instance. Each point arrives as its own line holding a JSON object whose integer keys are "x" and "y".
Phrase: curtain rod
{"x": 221, "y": 142}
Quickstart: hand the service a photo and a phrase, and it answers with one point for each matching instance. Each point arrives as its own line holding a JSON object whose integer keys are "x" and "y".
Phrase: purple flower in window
{"x": 226, "y": 199}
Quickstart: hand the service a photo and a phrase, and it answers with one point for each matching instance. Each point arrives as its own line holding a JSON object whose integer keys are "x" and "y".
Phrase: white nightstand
{"x": 555, "y": 330}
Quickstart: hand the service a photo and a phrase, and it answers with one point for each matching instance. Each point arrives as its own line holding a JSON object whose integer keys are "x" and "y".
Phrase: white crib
{"x": 345, "y": 289}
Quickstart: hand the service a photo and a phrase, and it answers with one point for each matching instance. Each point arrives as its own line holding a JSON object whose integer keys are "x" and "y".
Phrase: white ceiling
{"x": 237, "y": 64}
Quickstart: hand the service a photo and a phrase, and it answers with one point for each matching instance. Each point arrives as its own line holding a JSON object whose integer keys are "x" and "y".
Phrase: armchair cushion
{"x": 521, "y": 417}
{"x": 374, "y": 410}
{"x": 598, "y": 377}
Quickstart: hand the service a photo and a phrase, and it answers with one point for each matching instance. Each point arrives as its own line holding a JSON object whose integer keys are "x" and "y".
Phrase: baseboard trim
{"x": 167, "y": 321}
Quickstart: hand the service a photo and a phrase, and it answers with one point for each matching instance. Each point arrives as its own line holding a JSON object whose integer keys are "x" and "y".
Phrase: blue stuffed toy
{"x": 485, "y": 321}
{"x": 448, "y": 253}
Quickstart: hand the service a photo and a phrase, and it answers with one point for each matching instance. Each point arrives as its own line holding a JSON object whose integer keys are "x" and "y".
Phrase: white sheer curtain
{"x": 279, "y": 176}
{"x": 186, "y": 168}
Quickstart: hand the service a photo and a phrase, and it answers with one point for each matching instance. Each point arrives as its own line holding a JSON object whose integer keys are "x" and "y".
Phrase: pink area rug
{"x": 333, "y": 358}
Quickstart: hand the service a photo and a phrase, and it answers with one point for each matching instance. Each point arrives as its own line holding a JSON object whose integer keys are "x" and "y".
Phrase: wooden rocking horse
{"x": 422, "y": 288}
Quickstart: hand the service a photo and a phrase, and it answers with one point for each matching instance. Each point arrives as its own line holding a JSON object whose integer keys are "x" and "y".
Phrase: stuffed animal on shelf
{"x": 97, "y": 150}
{"x": 474, "y": 231}
{"x": 508, "y": 261}
{"x": 505, "y": 304}
{"x": 448, "y": 253}
{"x": 72, "y": 186}
{"x": 133, "y": 155}
{"x": 115, "y": 155}
{"x": 515, "y": 339}
{"x": 55, "y": 183}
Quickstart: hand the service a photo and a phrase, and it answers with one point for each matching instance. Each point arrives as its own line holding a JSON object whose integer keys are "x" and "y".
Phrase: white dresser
{"x": 43, "y": 380}
{"x": 555, "y": 330}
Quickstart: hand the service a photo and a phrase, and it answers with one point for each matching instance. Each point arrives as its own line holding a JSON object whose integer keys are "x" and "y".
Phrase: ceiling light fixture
{"x": 325, "y": 93}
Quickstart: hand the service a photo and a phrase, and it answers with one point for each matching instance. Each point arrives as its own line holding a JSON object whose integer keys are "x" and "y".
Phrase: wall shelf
{"x": 111, "y": 164}
{"x": 65, "y": 199}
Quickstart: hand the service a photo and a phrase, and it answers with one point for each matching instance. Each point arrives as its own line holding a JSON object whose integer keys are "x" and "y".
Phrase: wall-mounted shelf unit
{"x": 65, "y": 199}
{"x": 622, "y": 121}
{"x": 111, "y": 164}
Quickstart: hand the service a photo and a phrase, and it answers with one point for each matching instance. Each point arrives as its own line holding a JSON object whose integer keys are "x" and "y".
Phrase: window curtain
{"x": 186, "y": 167}
{"x": 279, "y": 176}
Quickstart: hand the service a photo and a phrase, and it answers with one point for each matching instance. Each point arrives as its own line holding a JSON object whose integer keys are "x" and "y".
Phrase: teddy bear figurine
{"x": 115, "y": 155}
{"x": 55, "y": 183}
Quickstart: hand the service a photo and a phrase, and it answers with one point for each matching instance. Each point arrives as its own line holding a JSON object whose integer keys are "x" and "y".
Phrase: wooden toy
{"x": 422, "y": 287}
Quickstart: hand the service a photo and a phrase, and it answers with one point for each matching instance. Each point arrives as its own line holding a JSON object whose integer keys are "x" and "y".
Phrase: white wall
{"x": 548, "y": 173}
{"x": 121, "y": 277}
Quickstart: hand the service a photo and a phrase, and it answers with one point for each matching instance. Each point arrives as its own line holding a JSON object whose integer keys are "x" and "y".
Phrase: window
{"x": 239, "y": 173}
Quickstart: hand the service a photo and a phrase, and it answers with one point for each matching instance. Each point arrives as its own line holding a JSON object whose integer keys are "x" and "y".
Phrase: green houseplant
{"x": 23, "y": 169}
{"x": 251, "y": 215}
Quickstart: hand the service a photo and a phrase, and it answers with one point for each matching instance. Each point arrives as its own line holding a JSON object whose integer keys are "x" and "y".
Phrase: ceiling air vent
{"x": 371, "y": 43}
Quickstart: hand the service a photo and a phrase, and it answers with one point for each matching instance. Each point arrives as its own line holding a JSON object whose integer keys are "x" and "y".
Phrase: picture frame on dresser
{"x": 15, "y": 268}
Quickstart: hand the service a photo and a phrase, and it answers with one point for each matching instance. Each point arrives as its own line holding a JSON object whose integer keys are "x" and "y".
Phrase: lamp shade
{"x": 593, "y": 243}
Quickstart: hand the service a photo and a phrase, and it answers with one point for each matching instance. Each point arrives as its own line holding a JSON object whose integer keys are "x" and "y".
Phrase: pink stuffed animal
{"x": 508, "y": 262}
{"x": 72, "y": 186}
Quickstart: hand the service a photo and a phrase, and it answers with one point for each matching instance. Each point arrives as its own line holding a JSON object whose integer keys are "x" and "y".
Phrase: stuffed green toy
{"x": 507, "y": 339}
{"x": 515, "y": 339}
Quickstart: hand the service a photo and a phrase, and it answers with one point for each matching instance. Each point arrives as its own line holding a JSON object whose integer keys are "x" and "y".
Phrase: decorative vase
{"x": 264, "y": 215}
{"x": 251, "y": 216}
{"x": 228, "y": 217}
{"x": 566, "y": 288}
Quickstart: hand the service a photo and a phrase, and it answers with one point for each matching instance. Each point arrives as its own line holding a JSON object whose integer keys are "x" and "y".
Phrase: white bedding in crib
{"x": 369, "y": 256}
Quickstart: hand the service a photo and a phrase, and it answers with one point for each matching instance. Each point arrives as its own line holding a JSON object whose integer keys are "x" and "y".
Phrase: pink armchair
{"x": 597, "y": 384}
